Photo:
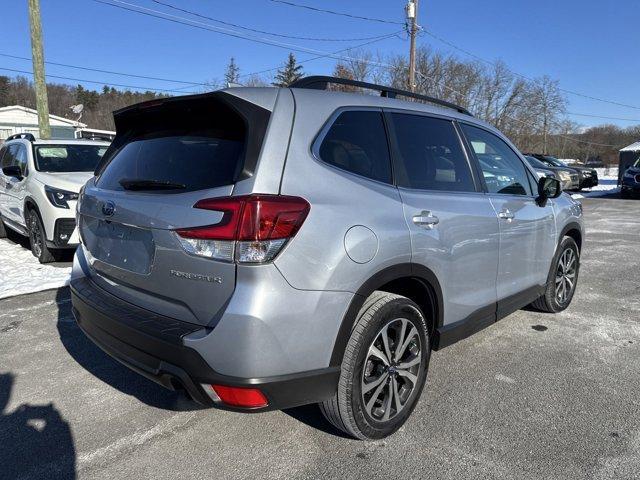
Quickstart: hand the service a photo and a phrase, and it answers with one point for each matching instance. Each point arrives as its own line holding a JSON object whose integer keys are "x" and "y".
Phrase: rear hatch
{"x": 167, "y": 156}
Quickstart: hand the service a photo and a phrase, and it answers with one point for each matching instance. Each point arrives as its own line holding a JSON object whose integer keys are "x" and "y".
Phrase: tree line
{"x": 530, "y": 111}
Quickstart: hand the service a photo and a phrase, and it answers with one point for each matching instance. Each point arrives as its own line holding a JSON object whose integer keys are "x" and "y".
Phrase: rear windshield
{"x": 190, "y": 160}
{"x": 68, "y": 158}
{"x": 179, "y": 147}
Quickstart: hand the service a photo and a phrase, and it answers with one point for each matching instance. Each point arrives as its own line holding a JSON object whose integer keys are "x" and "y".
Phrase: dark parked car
{"x": 631, "y": 181}
{"x": 587, "y": 177}
{"x": 594, "y": 162}
{"x": 568, "y": 177}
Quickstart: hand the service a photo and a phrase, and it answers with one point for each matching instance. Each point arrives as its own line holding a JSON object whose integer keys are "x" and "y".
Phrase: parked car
{"x": 570, "y": 161}
{"x": 264, "y": 248}
{"x": 567, "y": 176}
{"x": 594, "y": 163}
{"x": 587, "y": 177}
{"x": 39, "y": 186}
{"x": 631, "y": 181}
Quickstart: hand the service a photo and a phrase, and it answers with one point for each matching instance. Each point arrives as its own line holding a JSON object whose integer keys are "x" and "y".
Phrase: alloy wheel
{"x": 35, "y": 236}
{"x": 391, "y": 369}
{"x": 566, "y": 275}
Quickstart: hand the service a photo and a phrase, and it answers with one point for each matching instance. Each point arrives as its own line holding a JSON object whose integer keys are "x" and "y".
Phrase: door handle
{"x": 426, "y": 219}
{"x": 506, "y": 214}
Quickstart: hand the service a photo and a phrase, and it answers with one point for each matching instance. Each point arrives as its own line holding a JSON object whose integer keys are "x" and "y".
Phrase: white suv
{"x": 39, "y": 185}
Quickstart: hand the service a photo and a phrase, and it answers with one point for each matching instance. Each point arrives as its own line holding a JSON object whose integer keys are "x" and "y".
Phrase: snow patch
{"x": 20, "y": 271}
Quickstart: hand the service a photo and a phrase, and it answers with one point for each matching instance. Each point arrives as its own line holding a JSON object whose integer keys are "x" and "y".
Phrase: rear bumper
{"x": 153, "y": 346}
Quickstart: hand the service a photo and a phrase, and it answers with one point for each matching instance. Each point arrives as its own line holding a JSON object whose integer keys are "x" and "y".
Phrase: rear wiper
{"x": 141, "y": 184}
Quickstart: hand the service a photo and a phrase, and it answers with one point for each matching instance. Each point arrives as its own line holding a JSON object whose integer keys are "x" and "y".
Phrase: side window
{"x": 502, "y": 169}
{"x": 10, "y": 156}
{"x": 431, "y": 155}
{"x": 21, "y": 158}
{"x": 357, "y": 142}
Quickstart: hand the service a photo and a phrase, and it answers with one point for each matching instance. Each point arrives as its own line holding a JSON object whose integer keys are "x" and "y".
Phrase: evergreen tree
{"x": 4, "y": 91}
{"x": 232, "y": 75}
{"x": 291, "y": 72}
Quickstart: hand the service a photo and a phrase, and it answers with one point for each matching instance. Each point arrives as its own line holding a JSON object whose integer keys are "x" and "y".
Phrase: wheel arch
{"x": 573, "y": 230}
{"x": 30, "y": 202}
{"x": 416, "y": 282}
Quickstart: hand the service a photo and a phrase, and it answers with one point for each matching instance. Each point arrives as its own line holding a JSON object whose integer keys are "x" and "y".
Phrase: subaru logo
{"x": 108, "y": 209}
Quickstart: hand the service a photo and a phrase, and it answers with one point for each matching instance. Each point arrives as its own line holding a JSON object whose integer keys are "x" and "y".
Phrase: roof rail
{"x": 26, "y": 136}
{"x": 321, "y": 82}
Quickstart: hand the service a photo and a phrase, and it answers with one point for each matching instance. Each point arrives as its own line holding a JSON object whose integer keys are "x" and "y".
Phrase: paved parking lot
{"x": 534, "y": 396}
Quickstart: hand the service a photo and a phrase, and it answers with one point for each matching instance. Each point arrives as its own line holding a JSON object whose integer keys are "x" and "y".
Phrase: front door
{"x": 12, "y": 187}
{"x": 527, "y": 229}
{"x": 15, "y": 189}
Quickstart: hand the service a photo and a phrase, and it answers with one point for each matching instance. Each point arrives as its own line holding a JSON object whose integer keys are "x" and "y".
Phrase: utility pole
{"x": 42, "y": 102}
{"x": 412, "y": 26}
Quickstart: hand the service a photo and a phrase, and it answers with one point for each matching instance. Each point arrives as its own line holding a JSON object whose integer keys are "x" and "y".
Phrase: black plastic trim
{"x": 396, "y": 272}
{"x": 320, "y": 82}
{"x": 454, "y": 332}
{"x": 484, "y": 317}
{"x": 21, "y": 136}
{"x": 515, "y": 302}
{"x": 63, "y": 225}
{"x": 572, "y": 226}
{"x": 152, "y": 346}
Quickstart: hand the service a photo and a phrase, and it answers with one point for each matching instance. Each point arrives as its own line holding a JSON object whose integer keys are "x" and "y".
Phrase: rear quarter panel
{"x": 316, "y": 258}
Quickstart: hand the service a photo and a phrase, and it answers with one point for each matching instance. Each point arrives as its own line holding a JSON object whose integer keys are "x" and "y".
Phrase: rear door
{"x": 527, "y": 229}
{"x": 454, "y": 229}
{"x": 165, "y": 159}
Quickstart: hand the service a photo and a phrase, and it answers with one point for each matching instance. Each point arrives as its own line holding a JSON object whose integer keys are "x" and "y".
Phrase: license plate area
{"x": 122, "y": 246}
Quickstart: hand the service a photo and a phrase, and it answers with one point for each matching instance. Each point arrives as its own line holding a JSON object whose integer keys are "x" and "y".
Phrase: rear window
{"x": 184, "y": 145}
{"x": 195, "y": 159}
{"x": 357, "y": 142}
{"x": 68, "y": 158}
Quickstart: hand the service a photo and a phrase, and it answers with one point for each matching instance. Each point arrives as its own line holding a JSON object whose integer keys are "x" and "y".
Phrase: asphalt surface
{"x": 535, "y": 396}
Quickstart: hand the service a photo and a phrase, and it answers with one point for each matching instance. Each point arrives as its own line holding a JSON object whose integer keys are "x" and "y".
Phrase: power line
{"x": 332, "y": 12}
{"x": 529, "y": 125}
{"x": 477, "y": 57}
{"x": 232, "y": 33}
{"x": 93, "y": 81}
{"x": 281, "y": 35}
{"x": 78, "y": 67}
{"x": 177, "y": 90}
{"x": 603, "y": 116}
{"x": 325, "y": 55}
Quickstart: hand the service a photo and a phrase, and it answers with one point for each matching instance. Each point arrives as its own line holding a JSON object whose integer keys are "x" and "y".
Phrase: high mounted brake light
{"x": 253, "y": 229}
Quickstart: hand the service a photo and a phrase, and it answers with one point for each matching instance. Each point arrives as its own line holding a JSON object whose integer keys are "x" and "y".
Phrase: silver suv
{"x": 39, "y": 185}
{"x": 264, "y": 248}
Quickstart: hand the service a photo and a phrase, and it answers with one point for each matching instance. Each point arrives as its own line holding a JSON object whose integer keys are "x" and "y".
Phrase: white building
{"x": 17, "y": 119}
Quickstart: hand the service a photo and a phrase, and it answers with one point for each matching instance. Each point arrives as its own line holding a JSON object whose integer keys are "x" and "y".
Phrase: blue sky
{"x": 590, "y": 46}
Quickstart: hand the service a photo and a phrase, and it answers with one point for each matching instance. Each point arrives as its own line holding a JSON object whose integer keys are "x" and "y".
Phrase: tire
{"x": 38, "y": 238}
{"x": 624, "y": 195}
{"x": 359, "y": 414}
{"x": 555, "y": 299}
{"x": 3, "y": 230}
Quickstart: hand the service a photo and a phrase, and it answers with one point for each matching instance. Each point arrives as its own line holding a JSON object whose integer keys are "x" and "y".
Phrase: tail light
{"x": 253, "y": 229}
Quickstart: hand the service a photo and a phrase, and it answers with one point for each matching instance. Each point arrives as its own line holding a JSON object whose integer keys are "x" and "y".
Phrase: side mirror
{"x": 549, "y": 187}
{"x": 13, "y": 171}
